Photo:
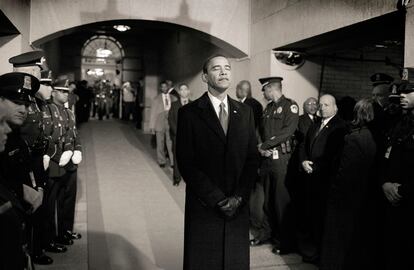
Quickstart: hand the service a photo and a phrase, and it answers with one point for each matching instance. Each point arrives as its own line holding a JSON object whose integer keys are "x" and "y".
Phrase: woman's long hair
{"x": 363, "y": 112}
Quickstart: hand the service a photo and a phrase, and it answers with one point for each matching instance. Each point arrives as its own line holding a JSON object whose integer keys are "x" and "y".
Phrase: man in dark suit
{"x": 218, "y": 159}
{"x": 244, "y": 95}
{"x": 184, "y": 93}
{"x": 318, "y": 156}
{"x": 310, "y": 107}
{"x": 294, "y": 181}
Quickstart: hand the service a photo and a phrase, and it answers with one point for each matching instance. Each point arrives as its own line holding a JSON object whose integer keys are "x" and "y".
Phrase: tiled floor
{"x": 129, "y": 214}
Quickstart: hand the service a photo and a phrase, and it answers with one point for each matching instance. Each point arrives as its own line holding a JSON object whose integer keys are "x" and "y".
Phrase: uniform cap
{"x": 381, "y": 78}
{"x": 405, "y": 88}
{"x": 267, "y": 80}
{"x": 33, "y": 58}
{"x": 18, "y": 87}
{"x": 46, "y": 77}
{"x": 61, "y": 85}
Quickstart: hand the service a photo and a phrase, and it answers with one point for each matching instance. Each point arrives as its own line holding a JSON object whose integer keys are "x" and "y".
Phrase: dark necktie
{"x": 223, "y": 117}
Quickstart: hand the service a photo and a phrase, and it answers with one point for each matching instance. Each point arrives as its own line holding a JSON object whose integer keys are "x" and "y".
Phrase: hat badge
{"x": 27, "y": 83}
{"x": 394, "y": 89}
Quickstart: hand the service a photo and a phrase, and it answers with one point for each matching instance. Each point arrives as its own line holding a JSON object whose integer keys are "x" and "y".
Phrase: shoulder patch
{"x": 294, "y": 108}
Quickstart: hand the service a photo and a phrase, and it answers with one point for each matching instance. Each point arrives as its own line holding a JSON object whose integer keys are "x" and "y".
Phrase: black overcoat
{"x": 347, "y": 222}
{"x": 214, "y": 166}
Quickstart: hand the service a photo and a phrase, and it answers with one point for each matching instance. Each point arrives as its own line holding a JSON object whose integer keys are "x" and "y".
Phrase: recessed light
{"x": 122, "y": 28}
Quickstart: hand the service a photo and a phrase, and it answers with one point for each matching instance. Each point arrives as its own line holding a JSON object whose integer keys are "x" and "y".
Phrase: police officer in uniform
{"x": 15, "y": 162}
{"x": 398, "y": 186}
{"x": 33, "y": 132}
{"x": 279, "y": 122}
{"x": 63, "y": 166}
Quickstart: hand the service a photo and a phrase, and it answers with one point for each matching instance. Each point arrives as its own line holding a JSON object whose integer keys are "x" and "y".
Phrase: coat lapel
{"x": 210, "y": 117}
{"x": 234, "y": 116}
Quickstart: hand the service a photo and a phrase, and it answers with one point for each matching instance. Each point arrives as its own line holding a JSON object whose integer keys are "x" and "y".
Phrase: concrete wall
{"x": 18, "y": 12}
{"x": 352, "y": 78}
{"x": 409, "y": 37}
{"x": 226, "y": 20}
{"x": 280, "y": 22}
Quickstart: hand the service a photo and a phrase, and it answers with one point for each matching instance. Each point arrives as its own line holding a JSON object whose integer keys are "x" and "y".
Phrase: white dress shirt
{"x": 166, "y": 100}
{"x": 243, "y": 99}
{"x": 325, "y": 122}
{"x": 216, "y": 104}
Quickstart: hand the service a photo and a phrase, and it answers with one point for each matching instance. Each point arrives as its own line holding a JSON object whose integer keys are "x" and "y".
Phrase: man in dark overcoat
{"x": 218, "y": 159}
{"x": 319, "y": 157}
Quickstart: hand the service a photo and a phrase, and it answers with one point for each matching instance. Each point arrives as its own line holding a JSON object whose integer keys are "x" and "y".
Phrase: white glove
{"x": 65, "y": 158}
{"x": 46, "y": 161}
{"x": 77, "y": 157}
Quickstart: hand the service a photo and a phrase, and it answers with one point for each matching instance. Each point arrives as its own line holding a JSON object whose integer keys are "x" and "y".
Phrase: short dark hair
{"x": 164, "y": 82}
{"x": 205, "y": 65}
{"x": 182, "y": 84}
{"x": 249, "y": 94}
{"x": 363, "y": 112}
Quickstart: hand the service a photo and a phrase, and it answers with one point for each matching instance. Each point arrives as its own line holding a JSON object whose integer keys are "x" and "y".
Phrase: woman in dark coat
{"x": 347, "y": 226}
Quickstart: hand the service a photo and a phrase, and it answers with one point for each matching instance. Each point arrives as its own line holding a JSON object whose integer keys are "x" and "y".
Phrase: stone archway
{"x": 102, "y": 57}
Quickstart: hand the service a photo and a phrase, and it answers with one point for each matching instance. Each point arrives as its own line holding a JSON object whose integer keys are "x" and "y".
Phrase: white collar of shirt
{"x": 184, "y": 101}
{"x": 243, "y": 99}
{"x": 216, "y": 103}
{"x": 325, "y": 121}
{"x": 311, "y": 116}
{"x": 164, "y": 97}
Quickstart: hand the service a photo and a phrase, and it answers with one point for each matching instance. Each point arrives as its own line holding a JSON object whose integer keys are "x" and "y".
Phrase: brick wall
{"x": 352, "y": 78}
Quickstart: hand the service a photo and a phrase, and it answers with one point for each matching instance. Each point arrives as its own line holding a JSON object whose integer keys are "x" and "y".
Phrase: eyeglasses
{"x": 311, "y": 103}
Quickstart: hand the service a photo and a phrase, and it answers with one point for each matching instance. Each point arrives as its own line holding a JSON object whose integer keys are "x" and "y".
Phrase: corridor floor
{"x": 129, "y": 213}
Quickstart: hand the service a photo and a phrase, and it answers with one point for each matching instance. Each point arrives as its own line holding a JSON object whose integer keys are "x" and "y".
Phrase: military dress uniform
{"x": 279, "y": 122}
{"x": 15, "y": 162}
{"x": 63, "y": 179}
{"x": 399, "y": 225}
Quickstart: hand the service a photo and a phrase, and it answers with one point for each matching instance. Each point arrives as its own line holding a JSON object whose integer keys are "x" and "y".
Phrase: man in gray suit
{"x": 159, "y": 124}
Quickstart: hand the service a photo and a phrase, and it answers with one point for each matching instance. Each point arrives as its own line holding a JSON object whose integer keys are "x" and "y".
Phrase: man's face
{"x": 407, "y": 101}
{"x": 45, "y": 92}
{"x": 164, "y": 88}
{"x": 17, "y": 113}
{"x": 60, "y": 96}
{"x": 184, "y": 92}
{"x": 310, "y": 106}
{"x": 72, "y": 87}
{"x": 380, "y": 94}
{"x": 218, "y": 74}
{"x": 327, "y": 106}
{"x": 242, "y": 91}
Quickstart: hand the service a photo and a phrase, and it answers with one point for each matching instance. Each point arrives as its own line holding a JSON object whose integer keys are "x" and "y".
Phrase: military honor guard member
{"x": 16, "y": 172}
{"x": 218, "y": 160}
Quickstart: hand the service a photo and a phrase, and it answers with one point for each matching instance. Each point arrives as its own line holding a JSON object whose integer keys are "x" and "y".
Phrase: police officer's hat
{"x": 46, "y": 77}
{"x": 405, "y": 88}
{"x": 381, "y": 78}
{"x": 61, "y": 85}
{"x": 33, "y": 58}
{"x": 18, "y": 87}
{"x": 267, "y": 80}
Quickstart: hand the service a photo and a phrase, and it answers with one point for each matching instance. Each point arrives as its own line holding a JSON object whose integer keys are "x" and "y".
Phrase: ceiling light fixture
{"x": 122, "y": 28}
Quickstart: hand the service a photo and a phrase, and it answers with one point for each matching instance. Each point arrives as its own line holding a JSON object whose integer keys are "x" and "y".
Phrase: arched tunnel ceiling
{"x": 223, "y": 23}
{"x": 142, "y": 26}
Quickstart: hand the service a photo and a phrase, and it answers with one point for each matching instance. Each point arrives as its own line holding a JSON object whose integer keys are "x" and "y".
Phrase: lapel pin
{"x": 235, "y": 111}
